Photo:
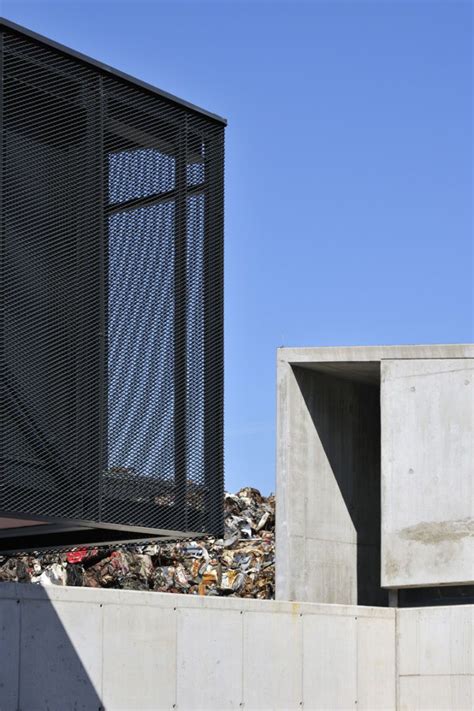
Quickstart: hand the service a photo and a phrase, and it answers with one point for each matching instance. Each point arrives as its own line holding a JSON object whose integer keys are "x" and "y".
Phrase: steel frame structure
{"x": 112, "y": 294}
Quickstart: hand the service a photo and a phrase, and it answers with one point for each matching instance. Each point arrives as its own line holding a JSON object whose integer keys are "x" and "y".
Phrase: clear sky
{"x": 349, "y": 167}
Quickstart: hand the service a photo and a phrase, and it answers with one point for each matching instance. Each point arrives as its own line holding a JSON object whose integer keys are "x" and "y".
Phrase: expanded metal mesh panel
{"x": 112, "y": 358}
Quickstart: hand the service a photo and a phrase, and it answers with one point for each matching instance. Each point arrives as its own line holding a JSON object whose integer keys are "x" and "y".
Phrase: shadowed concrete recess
{"x": 375, "y": 458}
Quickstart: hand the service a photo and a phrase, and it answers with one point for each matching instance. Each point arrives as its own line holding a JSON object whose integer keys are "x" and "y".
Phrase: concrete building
{"x": 374, "y": 504}
{"x": 374, "y": 471}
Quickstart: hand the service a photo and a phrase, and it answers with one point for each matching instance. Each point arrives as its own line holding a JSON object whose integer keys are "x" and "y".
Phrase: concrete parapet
{"x": 79, "y": 648}
{"x": 129, "y": 651}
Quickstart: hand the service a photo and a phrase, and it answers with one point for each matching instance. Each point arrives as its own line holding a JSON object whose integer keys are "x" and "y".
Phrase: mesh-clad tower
{"x": 112, "y": 304}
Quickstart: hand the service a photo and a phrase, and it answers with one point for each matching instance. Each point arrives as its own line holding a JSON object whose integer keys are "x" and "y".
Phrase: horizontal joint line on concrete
{"x": 402, "y": 676}
{"x": 331, "y": 540}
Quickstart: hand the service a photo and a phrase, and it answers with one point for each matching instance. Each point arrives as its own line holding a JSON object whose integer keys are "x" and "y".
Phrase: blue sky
{"x": 348, "y": 170}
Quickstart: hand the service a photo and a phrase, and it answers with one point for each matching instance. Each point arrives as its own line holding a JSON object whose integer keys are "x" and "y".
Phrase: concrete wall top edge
{"x": 374, "y": 353}
{"x": 19, "y": 591}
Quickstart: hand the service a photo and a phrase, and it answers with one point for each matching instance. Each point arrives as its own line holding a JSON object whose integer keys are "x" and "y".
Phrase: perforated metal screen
{"x": 112, "y": 270}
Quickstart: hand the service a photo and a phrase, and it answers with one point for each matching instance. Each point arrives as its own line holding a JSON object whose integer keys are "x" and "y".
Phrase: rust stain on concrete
{"x": 392, "y": 568}
{"x": 435, "y": 532}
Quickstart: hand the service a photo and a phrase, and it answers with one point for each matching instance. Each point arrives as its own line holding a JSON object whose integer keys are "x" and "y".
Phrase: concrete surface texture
{"x": 331, "y": 437}
{"x": 435, "y": 658}
{"x": 427, "y": 471}
{"x": 76, "y": 648}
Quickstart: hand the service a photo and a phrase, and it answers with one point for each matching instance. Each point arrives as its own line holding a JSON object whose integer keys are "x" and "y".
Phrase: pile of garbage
{"x": 241, "y": 564}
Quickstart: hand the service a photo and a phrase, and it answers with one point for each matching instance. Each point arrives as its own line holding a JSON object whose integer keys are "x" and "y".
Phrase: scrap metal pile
{"x": 241, "y": 564}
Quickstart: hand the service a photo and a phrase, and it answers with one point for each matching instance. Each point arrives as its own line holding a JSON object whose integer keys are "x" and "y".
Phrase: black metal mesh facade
{"x": 112, "y": 293}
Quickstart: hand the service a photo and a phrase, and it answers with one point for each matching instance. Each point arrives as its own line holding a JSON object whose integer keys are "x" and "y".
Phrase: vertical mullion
{"x": 103, "y": 328}
{"x": 89, "y": 329}
{"x": 2, "y": 233}
{"x": 214, "y": 332}
{"x": 180, "y": 434}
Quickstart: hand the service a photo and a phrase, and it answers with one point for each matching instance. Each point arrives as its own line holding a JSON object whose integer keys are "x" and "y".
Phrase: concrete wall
{"x": 328, "y": 512}
{"x": 94, "y": 650}
{"x": 427, "y": 472}
{"x": 435, "y": 658}
{"x": 65, "y": 648}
